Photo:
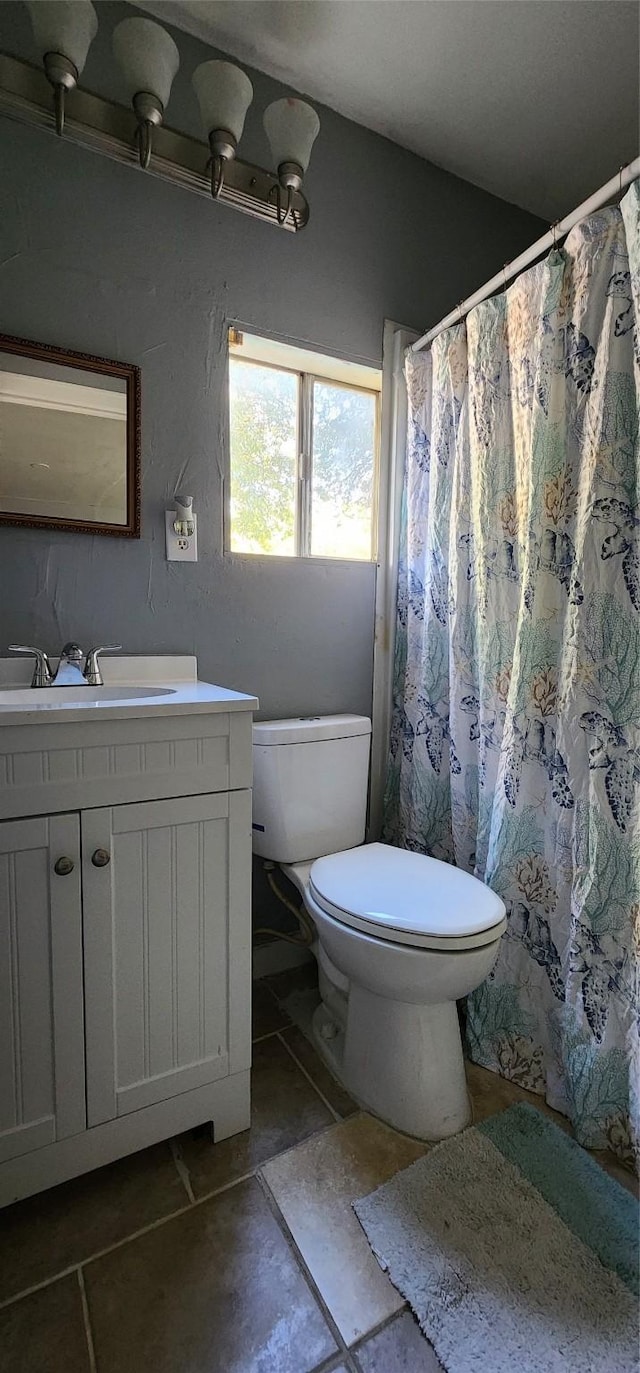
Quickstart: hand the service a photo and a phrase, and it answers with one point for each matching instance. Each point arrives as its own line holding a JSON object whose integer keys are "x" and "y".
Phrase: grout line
{"x": 87, "y": 1322}
{"x": 258, "y": 1039}
{"x": 162, "y": 1220}
{"x": 38, "y": 1286}
{"x": 109, "y": 1249}
{"x": 303, "y": 1265}
{"x": 338, "y": 1361}
{"x": 181, "y": 1169}
{"x": 309, "y": 1078}
{"x": 377, "y": 1329}
{"x": 273, "y": 1158}
{"x": 224, "y": 1187}
{"x": 348, "y": 1352}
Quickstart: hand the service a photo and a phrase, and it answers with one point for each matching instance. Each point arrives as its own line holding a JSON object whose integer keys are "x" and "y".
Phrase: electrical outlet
{"x": 181, "y": 548}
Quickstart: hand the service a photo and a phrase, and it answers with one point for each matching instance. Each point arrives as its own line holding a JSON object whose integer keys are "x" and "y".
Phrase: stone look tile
{"x": 216, "y": 1290}
{"x": 314, "y": 1187}
{"x": 399, "y": 1348}
{"x": 267, "y": 1014}
{"x": 331, "y": 1089}
{"x": 491, "y": 1094}
{"x": 44, "y": 1333}
{"x": 285, "y": 1109}
{"x": 53, "y": 1230}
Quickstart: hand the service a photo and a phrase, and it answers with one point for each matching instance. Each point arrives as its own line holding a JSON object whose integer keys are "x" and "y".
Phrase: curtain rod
{"x": 549, "y": 240}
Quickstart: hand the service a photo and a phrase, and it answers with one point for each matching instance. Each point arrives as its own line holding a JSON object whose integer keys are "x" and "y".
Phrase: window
{"x": 303, "y": 452}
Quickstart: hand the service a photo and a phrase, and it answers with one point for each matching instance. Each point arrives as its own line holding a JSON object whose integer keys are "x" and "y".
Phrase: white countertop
{"x": 175, "y": 675}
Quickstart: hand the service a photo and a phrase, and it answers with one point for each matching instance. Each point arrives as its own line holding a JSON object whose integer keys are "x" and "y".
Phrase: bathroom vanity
{"x": 125, "y": 915}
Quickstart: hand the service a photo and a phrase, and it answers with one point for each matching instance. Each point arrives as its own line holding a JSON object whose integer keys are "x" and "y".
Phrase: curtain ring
{"x": 554, "y": 231}
{"x": 620, "y": 171}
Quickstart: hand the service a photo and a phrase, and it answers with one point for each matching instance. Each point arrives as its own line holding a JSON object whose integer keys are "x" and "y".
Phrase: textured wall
{"x": 100, "y": 257}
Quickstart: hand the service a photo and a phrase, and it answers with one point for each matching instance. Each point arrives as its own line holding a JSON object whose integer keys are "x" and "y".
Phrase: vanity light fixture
{"x": 292, "y": 127}
{"x": 64, "y": 31}
{"x": 148, "y": 59}
{"x": 224, "y": 95}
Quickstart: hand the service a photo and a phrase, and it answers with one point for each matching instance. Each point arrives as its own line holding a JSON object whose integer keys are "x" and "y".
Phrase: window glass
{"x": 263, "y": 406}
{"x": 343, "y": 469}
{"x": 303, "y": 452}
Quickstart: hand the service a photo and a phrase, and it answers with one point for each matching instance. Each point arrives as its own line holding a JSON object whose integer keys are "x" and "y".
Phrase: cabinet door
{"x": 167, "y": 938}
{"x": 42, "y": 1090}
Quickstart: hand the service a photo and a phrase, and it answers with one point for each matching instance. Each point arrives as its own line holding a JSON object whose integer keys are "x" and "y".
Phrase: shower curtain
{"x": 515, "y": 749}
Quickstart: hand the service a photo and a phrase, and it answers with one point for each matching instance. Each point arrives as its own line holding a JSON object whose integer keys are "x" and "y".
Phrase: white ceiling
{"x": 44, "y": 467}
{"x": 534, "y": 100}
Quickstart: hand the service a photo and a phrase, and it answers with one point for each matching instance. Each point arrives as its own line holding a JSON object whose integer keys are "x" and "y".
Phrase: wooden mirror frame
{"x": 128, "y": 373}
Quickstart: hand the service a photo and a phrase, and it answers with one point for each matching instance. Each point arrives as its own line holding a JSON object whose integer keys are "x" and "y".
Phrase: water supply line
{"x": 307, "y": 933}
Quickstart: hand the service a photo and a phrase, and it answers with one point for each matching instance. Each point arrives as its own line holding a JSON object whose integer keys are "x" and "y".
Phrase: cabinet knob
{"x": 100, "y": 858}
{"x": 63, "y": 866}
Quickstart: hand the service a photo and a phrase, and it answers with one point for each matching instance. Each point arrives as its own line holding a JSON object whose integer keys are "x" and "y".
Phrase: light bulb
{"x": 64, "y": 31}
{"x": 224, "y": 95}
{"x": 292, "y": 127}
{"x": 148, "y": 59}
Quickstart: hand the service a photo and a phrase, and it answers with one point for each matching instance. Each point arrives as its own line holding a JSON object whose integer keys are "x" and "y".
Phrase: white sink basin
{"x": 41, "y": 698}
{"x": 135, "y": 688}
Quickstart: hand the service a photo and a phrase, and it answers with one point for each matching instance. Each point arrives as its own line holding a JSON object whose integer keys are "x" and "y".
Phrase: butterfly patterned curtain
{"x": 515, "y": 747}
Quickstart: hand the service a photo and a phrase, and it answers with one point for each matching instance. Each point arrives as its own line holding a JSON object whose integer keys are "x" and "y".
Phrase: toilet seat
{"x": 406, "y": 898}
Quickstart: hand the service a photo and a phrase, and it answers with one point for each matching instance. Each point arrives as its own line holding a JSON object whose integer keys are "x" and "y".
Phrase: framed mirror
{"x": 69, "y": 440}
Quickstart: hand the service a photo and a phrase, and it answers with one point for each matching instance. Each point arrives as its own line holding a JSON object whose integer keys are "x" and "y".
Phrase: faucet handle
{"x": 92, "y": 673}
{"x": 42, "y": 674}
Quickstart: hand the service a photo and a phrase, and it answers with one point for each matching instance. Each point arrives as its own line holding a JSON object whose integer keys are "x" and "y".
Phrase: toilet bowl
{"x": 388, "y": 1024}
{"x": 400, "y": 936}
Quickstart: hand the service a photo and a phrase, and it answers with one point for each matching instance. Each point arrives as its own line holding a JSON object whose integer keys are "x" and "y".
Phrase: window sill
{"x": 295, "y": 559}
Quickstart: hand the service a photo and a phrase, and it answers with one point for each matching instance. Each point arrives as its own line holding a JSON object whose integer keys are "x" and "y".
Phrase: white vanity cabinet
{"x": 162, "y": 919}
{"x": 42, "y": 1082}
{"x": 125, "y": 936}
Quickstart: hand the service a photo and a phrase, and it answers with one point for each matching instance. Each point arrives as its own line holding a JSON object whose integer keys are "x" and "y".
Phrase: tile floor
{"x": 241, "y": 1257}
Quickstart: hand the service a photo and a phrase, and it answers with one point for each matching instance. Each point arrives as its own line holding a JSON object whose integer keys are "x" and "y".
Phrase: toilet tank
{"x": 309, "y": 786}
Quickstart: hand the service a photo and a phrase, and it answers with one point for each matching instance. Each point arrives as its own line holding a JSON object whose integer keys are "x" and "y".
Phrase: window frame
{"x": 303, "y": 477}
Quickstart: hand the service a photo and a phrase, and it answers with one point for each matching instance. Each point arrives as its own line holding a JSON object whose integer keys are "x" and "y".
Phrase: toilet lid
{"x": 406, "y": 898}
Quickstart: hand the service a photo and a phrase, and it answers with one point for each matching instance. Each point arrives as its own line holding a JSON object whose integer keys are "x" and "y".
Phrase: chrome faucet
{"x": 69, "y": 672}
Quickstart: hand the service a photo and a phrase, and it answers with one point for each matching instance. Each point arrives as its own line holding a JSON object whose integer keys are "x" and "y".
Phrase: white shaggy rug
{"x": 506, "y": 1276}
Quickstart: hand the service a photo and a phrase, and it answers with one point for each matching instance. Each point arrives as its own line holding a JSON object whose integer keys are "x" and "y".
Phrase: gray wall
{"x": 98, "y": 257}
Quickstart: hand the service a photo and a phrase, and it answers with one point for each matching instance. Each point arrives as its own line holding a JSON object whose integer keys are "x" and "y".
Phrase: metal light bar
{"x": 557, "y": 231}
{"x": 108, "y": 128}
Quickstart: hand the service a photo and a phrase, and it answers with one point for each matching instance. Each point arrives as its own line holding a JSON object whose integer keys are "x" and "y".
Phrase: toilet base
{"x": 328, "y": 1038}
{"x": 400, "y": 1061}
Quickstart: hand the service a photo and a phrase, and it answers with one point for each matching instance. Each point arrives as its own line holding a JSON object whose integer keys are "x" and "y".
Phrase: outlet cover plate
{"x": 180, "y": 549}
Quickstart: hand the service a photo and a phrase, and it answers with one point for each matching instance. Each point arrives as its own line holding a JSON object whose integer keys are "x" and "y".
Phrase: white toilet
{"x": 400, "y": 936}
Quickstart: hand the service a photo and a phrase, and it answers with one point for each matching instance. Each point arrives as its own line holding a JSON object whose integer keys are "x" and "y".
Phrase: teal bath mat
{"x": 514, "y": 1249}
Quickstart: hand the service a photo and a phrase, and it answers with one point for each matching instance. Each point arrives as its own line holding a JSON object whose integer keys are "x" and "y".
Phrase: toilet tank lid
{"x": 310, "y": 729}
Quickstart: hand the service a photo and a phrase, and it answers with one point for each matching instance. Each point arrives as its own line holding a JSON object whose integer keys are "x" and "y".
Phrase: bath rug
{"x": 514, "y": 1249}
